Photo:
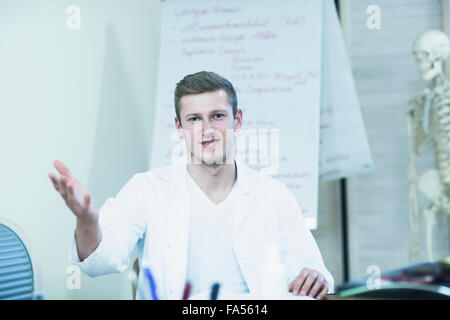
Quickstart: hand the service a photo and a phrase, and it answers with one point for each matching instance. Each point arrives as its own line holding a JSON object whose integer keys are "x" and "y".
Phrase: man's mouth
{"x": 207, "y": 143}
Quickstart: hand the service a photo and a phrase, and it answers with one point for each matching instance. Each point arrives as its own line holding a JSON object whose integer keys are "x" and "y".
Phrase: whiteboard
{"x": 271, "y": 52}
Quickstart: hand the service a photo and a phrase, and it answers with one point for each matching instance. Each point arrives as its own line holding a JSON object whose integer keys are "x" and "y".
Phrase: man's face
{"x": 208, "y": 127}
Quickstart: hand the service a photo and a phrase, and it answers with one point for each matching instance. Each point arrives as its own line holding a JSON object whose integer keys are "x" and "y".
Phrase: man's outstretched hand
{"x": 88, "y": 233}
{"x": 74, "y": 194}
{"x": 309, "y": 282}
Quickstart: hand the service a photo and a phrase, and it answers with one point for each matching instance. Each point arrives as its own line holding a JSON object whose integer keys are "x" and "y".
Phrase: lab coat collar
{"x": 242, "y": 170}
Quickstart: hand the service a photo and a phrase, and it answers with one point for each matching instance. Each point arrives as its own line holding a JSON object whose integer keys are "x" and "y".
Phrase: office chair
{"x": 16, "y": 270}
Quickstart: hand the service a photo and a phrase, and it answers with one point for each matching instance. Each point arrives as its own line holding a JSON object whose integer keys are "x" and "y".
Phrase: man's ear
{"x": 238, "y": 121}
{"x": 179, "y": 128}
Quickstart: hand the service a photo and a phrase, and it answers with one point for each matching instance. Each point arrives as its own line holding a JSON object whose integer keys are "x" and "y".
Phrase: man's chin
{"x": 208, "y": 161}
{"x": 212, "y": 162}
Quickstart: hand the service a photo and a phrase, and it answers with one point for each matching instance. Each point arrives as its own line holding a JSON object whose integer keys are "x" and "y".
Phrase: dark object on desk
{"x": 419, "y": 281}
{"x": 439, "y": 271}
{"x": 187, "y": 290}
{"x": 152, "y": 283}
{"x": 16, "y": 269}
{"x": 215, "y": 291}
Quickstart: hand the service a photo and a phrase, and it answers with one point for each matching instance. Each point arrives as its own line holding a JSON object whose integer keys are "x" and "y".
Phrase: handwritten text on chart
{"x": 221, "y": 30}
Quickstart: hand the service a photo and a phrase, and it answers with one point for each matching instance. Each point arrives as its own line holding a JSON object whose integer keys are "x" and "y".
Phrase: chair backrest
{"x": 16, "y": 270}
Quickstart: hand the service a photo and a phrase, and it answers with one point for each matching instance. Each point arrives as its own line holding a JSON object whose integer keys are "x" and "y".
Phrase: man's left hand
{"x": 309, "y": 282}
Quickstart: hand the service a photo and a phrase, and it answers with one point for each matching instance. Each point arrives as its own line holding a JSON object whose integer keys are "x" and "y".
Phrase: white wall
{"x": 84, "y": 97}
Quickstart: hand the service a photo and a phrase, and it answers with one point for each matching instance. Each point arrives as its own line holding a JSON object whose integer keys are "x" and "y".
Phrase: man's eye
{"x": 193, "y": 119}
{"x": 218, "y": 115}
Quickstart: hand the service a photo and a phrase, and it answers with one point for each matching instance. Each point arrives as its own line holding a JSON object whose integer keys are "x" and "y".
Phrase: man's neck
{"x": 213, "y": 178}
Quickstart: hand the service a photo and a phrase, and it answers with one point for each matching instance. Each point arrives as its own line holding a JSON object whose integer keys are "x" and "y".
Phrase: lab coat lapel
{"x": 240, "y": 239}
{"x": 243, "y": 205}
{"x": 178, "y": 232}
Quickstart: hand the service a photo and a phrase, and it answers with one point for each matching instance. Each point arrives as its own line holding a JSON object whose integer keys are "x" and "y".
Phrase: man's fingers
{"x": 317, "y": 286}
{"x": 62, "y": 187}
{"x": 296, "y": 287}
{"x": 324, "y": 291}
{"x": 308, "y": 283}
{"x": 54, "y": 181}
{"x": 87, "y": 201}
{"x": 62, "y": 169}
{"x": 69, "y": 194}
{"x": 297, "y": 283}
{"x": 71, "y": 199}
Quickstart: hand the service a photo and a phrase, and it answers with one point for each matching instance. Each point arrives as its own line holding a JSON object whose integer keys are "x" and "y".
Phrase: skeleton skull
{"x": 430, "y": 49}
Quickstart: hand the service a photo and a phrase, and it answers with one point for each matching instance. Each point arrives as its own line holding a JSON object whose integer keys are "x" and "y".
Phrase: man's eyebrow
{"x": 218, "y": 110}
{"x": 192, "y": 114}
{"x": 199, "y": 114}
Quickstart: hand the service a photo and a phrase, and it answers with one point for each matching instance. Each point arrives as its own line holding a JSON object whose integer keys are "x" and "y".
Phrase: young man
{"x": 209, "y": 219}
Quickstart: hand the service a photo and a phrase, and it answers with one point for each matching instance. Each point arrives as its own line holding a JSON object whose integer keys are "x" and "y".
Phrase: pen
{"x": 152, "y": 283}
{"x": 187, "y": 290}
{"x": 215, "y": 291}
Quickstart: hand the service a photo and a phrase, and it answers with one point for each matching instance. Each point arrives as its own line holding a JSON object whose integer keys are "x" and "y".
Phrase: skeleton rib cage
{"x": 438, "y": 128}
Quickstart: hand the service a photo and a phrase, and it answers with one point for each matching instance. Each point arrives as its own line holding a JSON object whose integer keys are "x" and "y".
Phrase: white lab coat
{"x": 152, "y": 210}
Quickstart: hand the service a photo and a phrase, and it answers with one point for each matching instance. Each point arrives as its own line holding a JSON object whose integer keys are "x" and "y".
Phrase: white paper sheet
{"x": 344, "y": 148}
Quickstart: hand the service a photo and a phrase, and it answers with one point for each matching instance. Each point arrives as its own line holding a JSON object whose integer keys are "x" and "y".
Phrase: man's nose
{"x": 206, "y": 126}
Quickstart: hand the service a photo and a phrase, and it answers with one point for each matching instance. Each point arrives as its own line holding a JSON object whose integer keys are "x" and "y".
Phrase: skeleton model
{"x": 428, "y": 126}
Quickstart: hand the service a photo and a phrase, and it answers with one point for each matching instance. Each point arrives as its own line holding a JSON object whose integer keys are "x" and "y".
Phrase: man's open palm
{"x": 74, "y": 194}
